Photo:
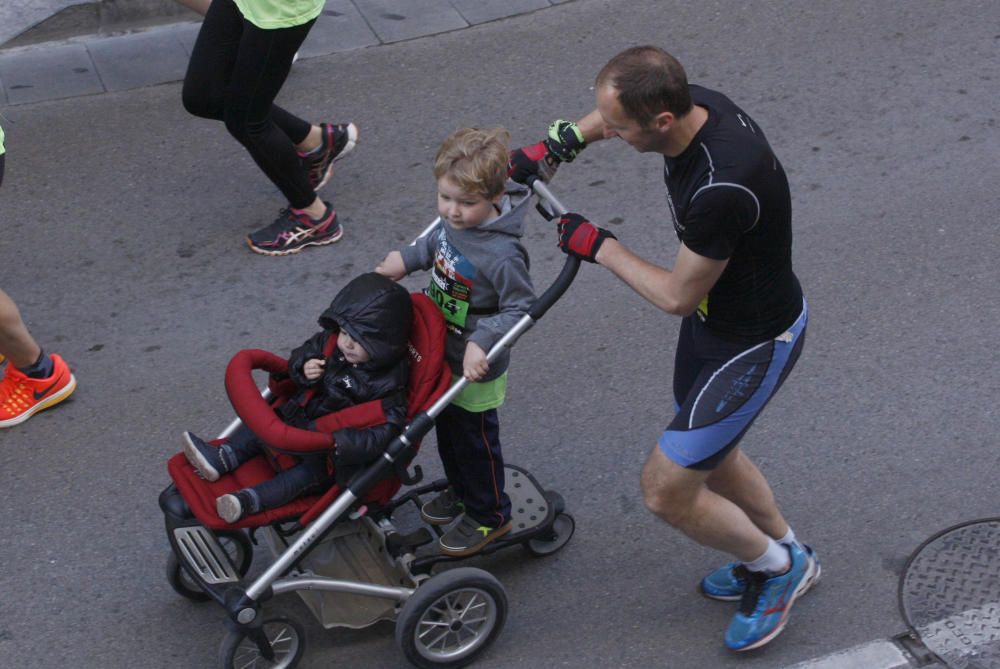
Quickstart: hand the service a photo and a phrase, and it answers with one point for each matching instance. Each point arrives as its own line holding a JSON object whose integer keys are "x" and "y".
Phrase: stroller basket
{"x": 352, "y": 551}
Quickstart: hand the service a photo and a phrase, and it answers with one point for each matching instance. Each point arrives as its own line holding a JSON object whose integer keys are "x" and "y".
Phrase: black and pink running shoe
{"x": 337, "y": 141}
{"x": 294, "y": 230}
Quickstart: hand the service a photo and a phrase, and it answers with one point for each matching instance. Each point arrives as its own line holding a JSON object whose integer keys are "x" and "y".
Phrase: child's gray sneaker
{"x": 443, "y": 509}
{"x": 205, "y": 458}
{"x": 470, "y": 536}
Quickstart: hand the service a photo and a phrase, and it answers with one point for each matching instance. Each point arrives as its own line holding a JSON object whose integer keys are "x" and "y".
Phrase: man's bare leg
{"x": 683, "y": 499}
{"x": 738, "y": 480}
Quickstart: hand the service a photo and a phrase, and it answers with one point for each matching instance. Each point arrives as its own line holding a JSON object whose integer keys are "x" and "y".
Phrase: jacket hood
{"x": 377, "y": 313}
{"x": 510, "y": 220}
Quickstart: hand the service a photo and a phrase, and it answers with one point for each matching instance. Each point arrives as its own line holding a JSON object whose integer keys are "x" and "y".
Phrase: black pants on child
{"x": 309, "y": 476}
{"x": 469, "y": 445}
{"x": 234, "y": 75}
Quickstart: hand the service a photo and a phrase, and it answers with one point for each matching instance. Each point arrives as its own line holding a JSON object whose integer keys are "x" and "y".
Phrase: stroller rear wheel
{"x": 558, "y": 536}
{"x": 452, "y": 618}
{"x": 286, "y": 640}
{"x": 234, "y": 542}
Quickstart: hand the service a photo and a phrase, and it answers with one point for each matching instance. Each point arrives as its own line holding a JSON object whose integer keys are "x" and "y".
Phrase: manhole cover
{"x": 949, "y": 594}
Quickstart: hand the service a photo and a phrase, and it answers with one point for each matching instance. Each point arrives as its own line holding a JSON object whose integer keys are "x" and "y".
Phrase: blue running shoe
{"x": 817, "y": 569}
{"x": 729, "y": 582}
{"x": 767, "y": 602}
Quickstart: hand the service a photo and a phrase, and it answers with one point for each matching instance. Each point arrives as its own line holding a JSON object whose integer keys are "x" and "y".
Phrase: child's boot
{"x": 206, "y": 459}
{"x": 233, "y": 507}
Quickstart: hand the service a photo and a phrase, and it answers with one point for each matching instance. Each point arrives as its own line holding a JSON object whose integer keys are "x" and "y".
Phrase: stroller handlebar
{"x": 570, "y": 267}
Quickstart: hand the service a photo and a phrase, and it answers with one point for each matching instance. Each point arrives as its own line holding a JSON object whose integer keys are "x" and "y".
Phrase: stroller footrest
{"x": 397, "y": 543}
{"x": 204, "y": 556}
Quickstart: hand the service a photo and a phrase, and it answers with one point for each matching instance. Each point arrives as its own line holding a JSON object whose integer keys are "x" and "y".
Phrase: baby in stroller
{"x": 367, "y": 326}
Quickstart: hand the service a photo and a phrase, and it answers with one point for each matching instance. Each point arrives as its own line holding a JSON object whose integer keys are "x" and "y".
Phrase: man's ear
{"x": 663, "y": 121}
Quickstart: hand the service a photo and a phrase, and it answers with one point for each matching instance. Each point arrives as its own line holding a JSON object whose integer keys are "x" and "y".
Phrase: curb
{"x": 91, "y": 65}
{"x": 873, "y": 655}
{"x": 97, "y": 18}
{"x": 903, "y": 651}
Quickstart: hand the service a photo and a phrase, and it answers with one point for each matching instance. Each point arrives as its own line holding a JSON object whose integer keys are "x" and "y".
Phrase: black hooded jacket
{"x": 377, "y": 313}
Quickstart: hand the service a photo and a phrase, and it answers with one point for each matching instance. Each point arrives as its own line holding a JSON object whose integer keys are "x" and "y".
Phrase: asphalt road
{"x": 123, "y": 219}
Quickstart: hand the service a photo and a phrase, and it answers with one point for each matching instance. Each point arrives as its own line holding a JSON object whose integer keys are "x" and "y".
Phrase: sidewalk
{"x": 91, "y": 65}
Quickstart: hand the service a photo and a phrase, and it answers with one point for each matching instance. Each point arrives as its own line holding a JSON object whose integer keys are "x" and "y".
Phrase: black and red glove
{"x": 532, "y": 161}
{"x": 563, "y": 144}
{"x": 579, "y": 237}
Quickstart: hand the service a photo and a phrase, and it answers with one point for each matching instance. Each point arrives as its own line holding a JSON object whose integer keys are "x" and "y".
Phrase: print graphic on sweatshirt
{"x": 451, "y": 283}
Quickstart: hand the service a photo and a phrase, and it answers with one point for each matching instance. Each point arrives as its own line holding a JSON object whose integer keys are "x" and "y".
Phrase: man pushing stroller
{"x": 370, "y": 321}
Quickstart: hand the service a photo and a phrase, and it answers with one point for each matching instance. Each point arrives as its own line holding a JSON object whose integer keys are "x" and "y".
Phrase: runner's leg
{"x": 681, "y": 497}
{"x": 16, "y": 343}
{"x": 268, "y": 132}
{"x": 738, "y": 480}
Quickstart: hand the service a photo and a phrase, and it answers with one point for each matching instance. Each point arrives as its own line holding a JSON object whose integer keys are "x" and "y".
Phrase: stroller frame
{"x": 469, "y": 604}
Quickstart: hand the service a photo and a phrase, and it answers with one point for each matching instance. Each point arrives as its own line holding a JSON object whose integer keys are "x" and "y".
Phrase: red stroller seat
{"x": 429, "y": 379}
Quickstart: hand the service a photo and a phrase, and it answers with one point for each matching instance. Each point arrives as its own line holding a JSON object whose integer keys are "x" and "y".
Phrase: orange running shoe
{"x": 21, "y": 396}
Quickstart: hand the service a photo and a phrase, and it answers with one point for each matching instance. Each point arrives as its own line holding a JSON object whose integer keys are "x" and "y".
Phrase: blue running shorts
{"x": 721, "y": 386}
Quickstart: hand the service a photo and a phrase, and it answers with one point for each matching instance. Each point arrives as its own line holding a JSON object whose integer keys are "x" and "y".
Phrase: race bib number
{"x": 451, "y": 287}
{"x": 453, "y": 306}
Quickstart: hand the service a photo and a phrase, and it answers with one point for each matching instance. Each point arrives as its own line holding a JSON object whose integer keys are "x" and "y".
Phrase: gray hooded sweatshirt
{"x": 479, "y": 278}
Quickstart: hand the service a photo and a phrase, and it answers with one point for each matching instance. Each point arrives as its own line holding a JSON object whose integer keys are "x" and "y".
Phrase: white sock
{"x": 774, "y": 560}
{"x": 789, "y": 539}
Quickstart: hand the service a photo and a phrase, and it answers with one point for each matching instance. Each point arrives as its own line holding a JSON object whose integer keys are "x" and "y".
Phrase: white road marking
{"x": 872, "y": 655}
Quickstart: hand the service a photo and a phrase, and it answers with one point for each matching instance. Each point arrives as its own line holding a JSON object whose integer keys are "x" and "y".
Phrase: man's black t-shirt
{"x": 729, "y": 199}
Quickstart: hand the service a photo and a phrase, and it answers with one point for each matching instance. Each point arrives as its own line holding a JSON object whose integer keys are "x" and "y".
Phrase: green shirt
{"x": 481, "y": 396}
{"x": 272, "y": 14}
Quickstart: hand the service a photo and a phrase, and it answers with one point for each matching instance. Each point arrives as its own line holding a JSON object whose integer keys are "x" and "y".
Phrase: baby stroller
{"x": 341, "y": 550}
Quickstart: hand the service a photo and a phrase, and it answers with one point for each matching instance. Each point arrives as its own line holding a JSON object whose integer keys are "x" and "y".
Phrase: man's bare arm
{"x": 591, "y": 127}
{"x": 677, "y": 291}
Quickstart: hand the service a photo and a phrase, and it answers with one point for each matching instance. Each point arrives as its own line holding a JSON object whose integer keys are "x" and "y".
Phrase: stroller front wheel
{"x": 182, "y": 582}
{"x": 451, "y": 618}
{"x": 236, "y": 544}
{"x": 283, "y": 639}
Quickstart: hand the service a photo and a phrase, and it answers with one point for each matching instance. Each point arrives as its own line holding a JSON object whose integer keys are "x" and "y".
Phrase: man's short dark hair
{"x": 649, "y": 81}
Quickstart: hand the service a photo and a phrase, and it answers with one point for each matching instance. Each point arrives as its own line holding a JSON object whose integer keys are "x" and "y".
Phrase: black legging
{"x": 236, "y": 71}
